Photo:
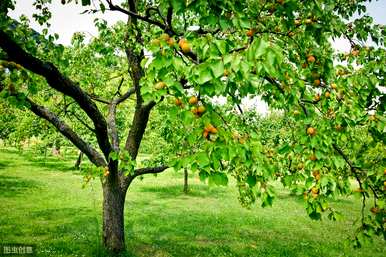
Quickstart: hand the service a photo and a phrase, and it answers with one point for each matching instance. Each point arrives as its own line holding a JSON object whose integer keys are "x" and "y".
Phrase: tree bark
{"x": 113, "y": 216}
{"x": 186, "y": 186}
{"x": 79, "y": 160}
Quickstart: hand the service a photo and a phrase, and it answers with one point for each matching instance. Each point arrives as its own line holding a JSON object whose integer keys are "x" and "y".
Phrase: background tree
{"x": 279, "y": 50}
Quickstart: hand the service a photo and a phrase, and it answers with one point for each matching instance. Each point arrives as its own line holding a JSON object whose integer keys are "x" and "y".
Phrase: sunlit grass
{"x": 43, "y": 203}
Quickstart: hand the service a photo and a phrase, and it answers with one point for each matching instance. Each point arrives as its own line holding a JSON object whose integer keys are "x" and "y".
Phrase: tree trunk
{"x": 113, "y": 217}
{"x": 79, "y": 160}
{"x": 186, "y": 187}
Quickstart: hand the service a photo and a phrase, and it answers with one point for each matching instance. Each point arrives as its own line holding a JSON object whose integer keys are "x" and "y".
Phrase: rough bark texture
{"x": 79, "y": 160}
{"x": 186, "y": 186}
{"x": 113, "y": 215}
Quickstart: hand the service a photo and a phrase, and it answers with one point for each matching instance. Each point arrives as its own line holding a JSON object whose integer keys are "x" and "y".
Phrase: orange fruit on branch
{"x": 311, "y": 59}
{"x": 201, "y": 109}
{"x": 193, "y": 100}
{"x": 311, "y": 131}
{"x": 160, "y": 85}
{"x": 178, "y": 102}
{"x": 184, "y": 45}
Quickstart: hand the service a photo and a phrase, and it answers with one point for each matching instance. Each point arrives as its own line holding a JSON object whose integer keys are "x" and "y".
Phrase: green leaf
{"x": 203, "y": 175}
{"x": 260, "y": 48}
{"x": 324, "y": 181}
{"x": 208, "y": 20}
{"x": 315, "y": 215}
{"x": 204, "y": 76}
{"x": 178, "y": 5}
{"x": 217, "y": 68}
{"x": 86, "y": 2}
{"x": 251, "y": 180}
{"x": 219, "y": 179}
{"x": 267, "y": 199}
{"x": 103, "y": 7}
{"x": 221, "y": 46}
{"x": 202, "y": 159}
{"x": 113, "y": 156}
{"x": 284, "y": 149}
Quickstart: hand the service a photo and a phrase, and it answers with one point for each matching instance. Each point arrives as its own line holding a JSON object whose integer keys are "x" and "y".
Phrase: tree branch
{"x": 133, "y": 14}
{"x": 111, "y": 118}
{"x": 98, "y": 99}
{"x": 66, "y": 131}
{"x": 356, "y": 175}
{"x": 169, "y": 17}
{"x": 140, "y": 119}
{"x": 81, "y": 121}
{"x": 151, "y": 170}
{"x": 61, "y": 83}
{"x": 275, "y": 83}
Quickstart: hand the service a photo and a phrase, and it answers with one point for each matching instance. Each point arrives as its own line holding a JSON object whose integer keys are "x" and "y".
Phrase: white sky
{"x": 66, "y": 19}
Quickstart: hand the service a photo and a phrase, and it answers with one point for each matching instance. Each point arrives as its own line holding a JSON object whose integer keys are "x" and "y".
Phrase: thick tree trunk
{"x": 186, "y": 186}
{"x": 113, "y": 217}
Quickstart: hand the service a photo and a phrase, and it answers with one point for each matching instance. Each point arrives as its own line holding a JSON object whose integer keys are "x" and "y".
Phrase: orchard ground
{"x": 43, "y": 203}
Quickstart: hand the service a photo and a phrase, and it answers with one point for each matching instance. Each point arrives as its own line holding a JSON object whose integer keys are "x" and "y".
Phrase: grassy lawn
{"x": 43, "y": 203}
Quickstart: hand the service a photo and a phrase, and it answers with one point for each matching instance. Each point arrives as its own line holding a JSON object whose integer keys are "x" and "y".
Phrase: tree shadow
{"x": 184, "y": 235}
{"x": 172, "y": 191}
{"x": 4, "y": 164}
{"x": 56, "y": 165}
{"x": 70, "y": 230}
{"x": 11, "y": 186}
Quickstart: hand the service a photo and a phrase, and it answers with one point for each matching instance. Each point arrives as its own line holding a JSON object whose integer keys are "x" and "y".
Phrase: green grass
{"x": 42, "y": 202}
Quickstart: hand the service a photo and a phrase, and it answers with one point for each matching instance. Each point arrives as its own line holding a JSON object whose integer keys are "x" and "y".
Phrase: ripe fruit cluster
{"x": 184, "y": 45}
{"x": 164, "y": 37}
{"x": 209, "y": 129}
{"x": 198, "y": 109}
{"x": 316, "y": 175}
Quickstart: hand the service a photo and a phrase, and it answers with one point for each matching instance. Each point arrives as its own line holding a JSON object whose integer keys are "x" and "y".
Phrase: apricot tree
{"x": 168, "y": 50}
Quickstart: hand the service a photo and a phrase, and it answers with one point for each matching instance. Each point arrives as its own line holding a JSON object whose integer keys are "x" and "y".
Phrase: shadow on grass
{"x": 183, "y": 234}
{"x": 11, "y": 186}
{"x": 172, "y": 191}
{"x": 3, "y": 164}
{"x": 46, "y": 162}
{"x": 55, "y": 165}
{"x": 70, "y": 230}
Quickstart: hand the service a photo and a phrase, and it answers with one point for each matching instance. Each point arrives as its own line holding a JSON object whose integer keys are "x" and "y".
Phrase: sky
{"x": 67, "y": 19}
